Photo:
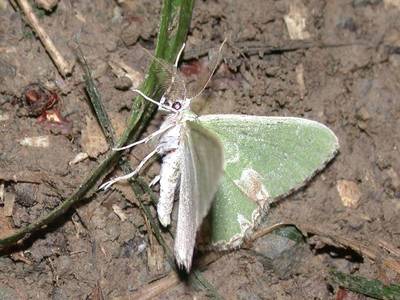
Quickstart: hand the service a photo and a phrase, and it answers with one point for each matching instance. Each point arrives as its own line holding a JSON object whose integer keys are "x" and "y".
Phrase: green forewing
{"x": 265, "y": 158}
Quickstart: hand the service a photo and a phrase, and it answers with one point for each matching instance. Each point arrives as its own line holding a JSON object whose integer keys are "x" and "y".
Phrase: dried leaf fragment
{"x": 296, "y": 21}
{"x": 36, "y": 141}
{"x": 349, "y": 193}
{"x": 93, "y": 141}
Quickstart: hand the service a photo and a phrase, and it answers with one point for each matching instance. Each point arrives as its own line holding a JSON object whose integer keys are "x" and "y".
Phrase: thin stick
{"x": 266, "y": 230}
{"x": 156, "y": 288}
{"x": 24, "y": 176}
{"x": 258, "y": 48}
{"x": 62, "y": 65}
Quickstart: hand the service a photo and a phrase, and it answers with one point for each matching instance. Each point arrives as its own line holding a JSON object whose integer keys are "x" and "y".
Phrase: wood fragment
{"x": 251, "y": 48}
{"x": 5, "y": 224}
{"x": 349, "y": 193}
{"x": 264, "y": 231}
{"x": 164, "y": 284}
{"x": 9, "y": 201}
{"x": 296, "y": 21}
{"x": 81, "y": 156}
{"x": 119, "y": 212}
{"x": 155, "y": 253}
{"x": 2, "y": 192}
{"x": 20, "y": 257}
{"x": 97, "y": 293}
{"x": 389, "y": 247}
{"x": 23, "y": 176}
{"x": 156, "y": 288}
{"x": 47, "y": 5}
{"x": 62, "y": 65}
{"x": 300, "y": 80}
{"x": 155, "y": 257}
{"x": 36, "y": 141}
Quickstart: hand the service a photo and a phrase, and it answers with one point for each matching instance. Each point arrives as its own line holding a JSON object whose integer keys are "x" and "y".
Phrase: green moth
{"x": 230, "y": 167}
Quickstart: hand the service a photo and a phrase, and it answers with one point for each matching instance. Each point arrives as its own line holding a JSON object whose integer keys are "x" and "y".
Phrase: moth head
{"x": 177, "y": 105}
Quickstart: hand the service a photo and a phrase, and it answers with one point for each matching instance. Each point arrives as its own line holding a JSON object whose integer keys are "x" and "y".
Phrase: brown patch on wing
{"x": 250, "y": 183}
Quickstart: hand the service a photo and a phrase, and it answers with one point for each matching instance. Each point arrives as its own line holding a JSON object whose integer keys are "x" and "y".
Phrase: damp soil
{"x": 336, "y": 62}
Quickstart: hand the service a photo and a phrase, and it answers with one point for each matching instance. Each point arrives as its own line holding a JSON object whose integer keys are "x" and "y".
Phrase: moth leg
{"x": 146, "y": 139}
{"x": 169, "y": 178}
{"x": 154, "y": 181}
{"x": 160, "y": 105}
{"x": 109, "y": 183}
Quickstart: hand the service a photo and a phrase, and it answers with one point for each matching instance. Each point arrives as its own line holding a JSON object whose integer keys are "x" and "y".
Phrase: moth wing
{"x": 171, "y": 84}
{"x": 265, "y": 158}
{"x": 200, "y": 84}
{"x": 201, "y": 170}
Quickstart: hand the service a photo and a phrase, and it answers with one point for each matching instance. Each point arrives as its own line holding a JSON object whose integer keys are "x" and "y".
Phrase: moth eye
{"x": 177, "y": 105}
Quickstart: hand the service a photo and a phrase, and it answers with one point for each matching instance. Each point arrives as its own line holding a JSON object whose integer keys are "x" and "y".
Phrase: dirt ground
{"x": 336, "y": 62}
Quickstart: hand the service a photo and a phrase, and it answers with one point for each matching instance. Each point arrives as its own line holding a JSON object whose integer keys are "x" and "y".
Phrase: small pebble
{"x": 123, "y": 83}
{"x": 363, "y": 114}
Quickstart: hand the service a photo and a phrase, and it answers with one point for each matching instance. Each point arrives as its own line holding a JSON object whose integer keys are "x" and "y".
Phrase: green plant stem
{"x": 361, "y": 285}
{"x": 96, "y": 101}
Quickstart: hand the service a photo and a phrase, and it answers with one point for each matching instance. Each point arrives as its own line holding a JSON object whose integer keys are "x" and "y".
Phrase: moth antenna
{"x": 165, "y": 107}
{"x": 179, "y": 55}
{"x": 213, "y": 71}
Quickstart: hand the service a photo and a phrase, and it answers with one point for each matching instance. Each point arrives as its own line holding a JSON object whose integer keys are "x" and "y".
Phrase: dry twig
{"x": 62, "y": 65}
{"x": 170, "y": 281}
{"x": 156, "y": 288}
